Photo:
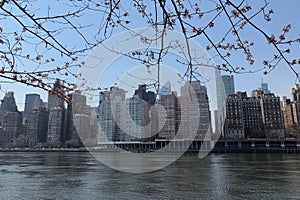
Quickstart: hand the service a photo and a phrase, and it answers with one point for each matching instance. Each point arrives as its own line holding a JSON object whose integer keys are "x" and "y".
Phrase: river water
{"x": 75, "y": 175}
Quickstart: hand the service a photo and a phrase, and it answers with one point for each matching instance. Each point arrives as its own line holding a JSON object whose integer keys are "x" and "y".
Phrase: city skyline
{"x": 149, "y": 99}
{"x": 54, "y": 123}
{"x": 20, "y": 97}
{"x": 285, "y": 13}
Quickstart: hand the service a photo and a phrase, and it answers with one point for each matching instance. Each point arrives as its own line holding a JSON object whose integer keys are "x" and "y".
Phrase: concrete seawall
{"x": 220, "y": 146}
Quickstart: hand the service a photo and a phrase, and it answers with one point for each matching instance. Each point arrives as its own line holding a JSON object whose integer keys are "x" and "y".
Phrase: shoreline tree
{"x": 43, "y": 42}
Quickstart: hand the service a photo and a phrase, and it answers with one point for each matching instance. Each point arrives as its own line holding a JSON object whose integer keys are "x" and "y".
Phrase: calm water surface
{"x": 67, "y": 175}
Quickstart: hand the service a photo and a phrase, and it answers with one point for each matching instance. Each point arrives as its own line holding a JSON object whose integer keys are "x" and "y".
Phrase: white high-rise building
{"x": 195, "y": 117}
{"x": 110, "y": 113}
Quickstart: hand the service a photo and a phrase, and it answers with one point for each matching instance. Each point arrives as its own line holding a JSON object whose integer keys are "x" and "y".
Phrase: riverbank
{"x": 44, "y": 150}
{"x": 220, "y": 146}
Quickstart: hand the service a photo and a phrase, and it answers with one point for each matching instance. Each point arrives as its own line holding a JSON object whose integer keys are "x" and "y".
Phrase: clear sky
{"x": 280, "y": 80}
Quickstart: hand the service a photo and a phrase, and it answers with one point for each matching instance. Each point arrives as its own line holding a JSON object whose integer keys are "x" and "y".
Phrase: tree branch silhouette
{"x": 49, "y": 41}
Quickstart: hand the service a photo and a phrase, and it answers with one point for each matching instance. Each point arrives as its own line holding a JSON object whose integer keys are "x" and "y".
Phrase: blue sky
{"x": 280, "y": 80}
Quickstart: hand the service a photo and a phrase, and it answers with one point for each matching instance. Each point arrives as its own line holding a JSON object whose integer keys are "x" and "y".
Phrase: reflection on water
{"x": 66, "y": 175}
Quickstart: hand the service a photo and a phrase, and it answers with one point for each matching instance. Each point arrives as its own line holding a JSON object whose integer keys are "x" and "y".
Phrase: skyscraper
{"x": 145, "y": 95}
{"x": 32, "y": 101}
{"x": 167, "y": 115}
{"x": 77, "y": 105}
{"x": 110, "y": 114}
{"x": 220, "y": 97}
{"x": 252, "y": 116}
{"x": 83, "y": 127}
{"x": 138, "y": 128}
{"x": 10, "y": 128}
{"x": 10, "y": 121}
{"x": 37, "y": 127}
{"x": 54, "y": 100}
{"x": 105, "y": 119}
{"x": 265, "y": 87}
{"x": 8, "y": 103}
{"x": 195, "y": 118}
{"x": 290, "y": 123}
{"x": 126, "y": 119}
{"x": 291, "y": 113}
{"x": 243, "y": 117}
{"x": 56, "y": 124}
{"x": 233, "y": 118}
{"x": 56, "y": 127}
{"x": 296, "y": 93}
{"x": 272, "y": 118}
{"x": 228, "y": 81}
{"x": 258, "y": 116}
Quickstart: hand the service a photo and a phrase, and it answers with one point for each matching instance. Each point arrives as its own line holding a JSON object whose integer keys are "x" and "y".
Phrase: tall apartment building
{"x": 110, "y": 114}
{"x": 37, "y": 127}
{"x": 258, "y": 116}
{"x": 8, "y": 103}
{"x": 145, "y": 95}
{"x": 138, "y": 126}
{"x": 83, "y": 126}
{"x": 296, "y": 115}
{"x": 10, "y": 122}
{"x": 296, "y": 93}
{"x": 56, "y": 134}
{"x": 32, "y": 102}
{"x": 148, "y": 116}
{"x": 94, "y": 127}
{"x": 55, "y": 101}
{"x": 56, "y": 126}
{"x": 131, "y": 119}
{"x": 126, "y": 119}
{"x": 233, "y": 127}
{"x": 105, "y": 121}
{"x": 167, "y": 115}
{"x": 35, "y": 116}
{"x": 288, "y": 118}
{"x": 195, "y": 118}
{"x": 10, "y": 129}
{"x": 77, "y": 105}
{"x": 271, "y": 115}
{"x": 296, "y": 106}
{"x": 291, "y": 113}
{"x": 252, "y": 116}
